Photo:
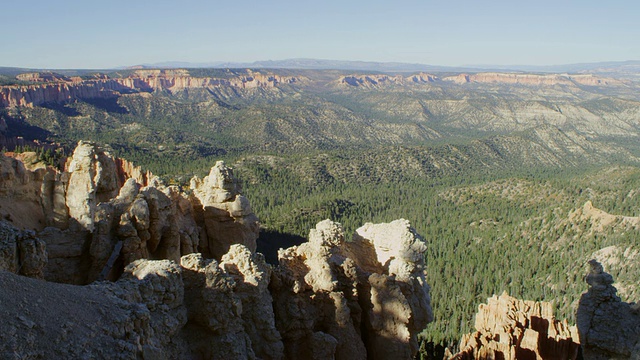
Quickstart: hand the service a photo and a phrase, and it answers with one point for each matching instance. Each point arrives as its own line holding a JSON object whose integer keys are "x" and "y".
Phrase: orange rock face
{"x": 508, "y": 328}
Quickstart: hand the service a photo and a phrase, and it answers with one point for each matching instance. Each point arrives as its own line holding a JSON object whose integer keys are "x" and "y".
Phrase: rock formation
{"x": 20, "y": 194}
{"x": 42, "y": 77}
{"x": 230, "y": 303}
{"x": 211, "y": 295}
{"x": 378, "y": 80}
{"x": 156, "y": 310}
{"x": 353, "y": 299}
{"x": 137, "y": 317}
{"x": 103, "y": 212}
{"x": 608, "y": 327}
{"x": 339, "y": 303}
{"x": 508, "y": 328}
{"x": 92, "y": 180}
{"x": 227, "y": 215}
{"x": 600, "y": 219}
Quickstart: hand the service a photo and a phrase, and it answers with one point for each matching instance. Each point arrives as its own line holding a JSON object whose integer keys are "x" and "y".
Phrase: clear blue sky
{"x": 103, "y": 34}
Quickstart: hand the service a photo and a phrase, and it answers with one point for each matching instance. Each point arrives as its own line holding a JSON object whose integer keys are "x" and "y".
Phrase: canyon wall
{"x": 59, "y": 89}
{"x": 54, "y": 88}
{"x": 532, "y": 79}
{"x": 378, "y": 80}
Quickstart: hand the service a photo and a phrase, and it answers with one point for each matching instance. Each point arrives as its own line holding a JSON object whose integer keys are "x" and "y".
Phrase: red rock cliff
{"x": 69, "y": 89}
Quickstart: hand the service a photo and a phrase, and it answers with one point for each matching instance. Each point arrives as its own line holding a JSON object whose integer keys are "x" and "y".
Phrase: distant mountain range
{"x": 629, "y": 68}
{"x": 322, "y": 64}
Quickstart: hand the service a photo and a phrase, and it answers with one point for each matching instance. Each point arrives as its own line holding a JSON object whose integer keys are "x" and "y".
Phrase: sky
{"x": 65, "y": 34}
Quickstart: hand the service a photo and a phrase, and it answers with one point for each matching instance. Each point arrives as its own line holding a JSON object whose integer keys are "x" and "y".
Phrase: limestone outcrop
{"x": 356, "y": 299}
{"x": 379, "y": 80}
{"x": 227, "y": 215}
{"x": 608, "y": 327}
{"x": 332, "y": 299}
{"x": 230, "y": 303}
{"x": 20, "y": 193}
{"x": 92, "y": 179}
{"x": 211, "y": 295}
{"x": 158, "y": 309}
{"x": 508, "y": 328}
{"x": 601, "y": 220}
{"x": 103, "y": 213}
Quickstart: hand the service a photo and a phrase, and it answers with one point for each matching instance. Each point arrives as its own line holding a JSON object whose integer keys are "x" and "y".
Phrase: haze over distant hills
{"x": 630, "y": 68}
{"x": 324, "y": 64}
